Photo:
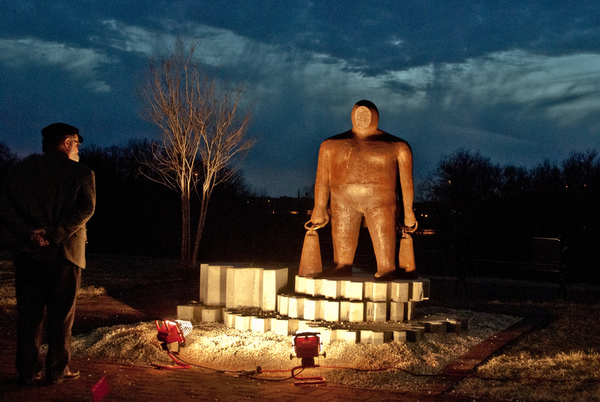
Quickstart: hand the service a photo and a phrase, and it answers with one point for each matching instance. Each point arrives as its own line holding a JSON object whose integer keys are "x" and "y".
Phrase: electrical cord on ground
{"x": 470, "y": 375}
{"x": 260, "y": 371}
{"x": 182, "y": 364}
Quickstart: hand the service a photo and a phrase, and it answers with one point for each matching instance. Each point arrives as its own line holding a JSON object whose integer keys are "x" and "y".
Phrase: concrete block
{"x": 388, "y": 336}
{"x": 426, "y": 289}
{"x": 435, "y": 327}
{"x": 454, "y": 326}
{"x": 416, "y": 291}
{"x": 212, "y": 314}
{"x": 408, "y": 310}
{"x": 378, "y": 338}
{"x": 242, "y": 322}
{"x": 273, "y": 281}
{"x": 229, "y": 318}
{"x": 352, "y": 337}
{"x": 375, "y": 337}
{"x": 339, "y": 334}
{"x": 282, "y": 304}
{"x": 420, "y": 290}
{"x": 396, "y": 311}
{"x": 280, "y": 326}
{"x": 190, "y": 312}
{"x": 244, "y": 287}
{"x": 352, "y": 290}
{"x": 357, "y": 312}
{"x": 320, "y": 309}
{"x": 331, "y": 310}
{"x": 300, "y": 284}
{"x": 400, "y": 336}
{"x": 331, "y": 288}
{"x": 415, "y": 334}
{"x": 326, "y": 334}
{"x": 377, "y": 291}
{"x": 203, "y": 281}
{"x": 296, "y": 307}
{"x": 366, "y": 336}
{"x": 400, "y": 291}
{"x": 310, "y": 309}
{"x": 293, "y": 325}
{"x": 345, "y": 310}
{"x": 376, "y": 311}
{"x": 303, "y": 325}
{"x": 216, "y": 285}
{"x": 259, "y": 324}
{"x": 313, "y": 286}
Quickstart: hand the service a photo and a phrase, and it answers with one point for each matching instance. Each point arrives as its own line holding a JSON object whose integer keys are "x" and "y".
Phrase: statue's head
{"x": 365, "y": 117}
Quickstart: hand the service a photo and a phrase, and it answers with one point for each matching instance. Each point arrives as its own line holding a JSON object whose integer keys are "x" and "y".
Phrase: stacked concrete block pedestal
{"x": 354, "y": 309}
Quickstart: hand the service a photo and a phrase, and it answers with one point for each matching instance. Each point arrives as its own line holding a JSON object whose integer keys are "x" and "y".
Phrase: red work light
{"x": 307, "y": 345}
{"x": 173, "y": 331}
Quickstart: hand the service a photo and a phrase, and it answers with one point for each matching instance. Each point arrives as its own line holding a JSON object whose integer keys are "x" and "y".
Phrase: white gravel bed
{"x": 216, "y": 346}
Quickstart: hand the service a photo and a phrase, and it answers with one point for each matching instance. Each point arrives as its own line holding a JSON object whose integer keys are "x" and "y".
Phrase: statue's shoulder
{"x": 343, "y": 136}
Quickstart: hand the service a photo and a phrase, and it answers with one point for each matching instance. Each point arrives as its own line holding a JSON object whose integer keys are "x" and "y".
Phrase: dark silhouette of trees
{"x": 7, "y": 160}
{"x": 133, "y": 214}
{"x": 464, "y": 185}
{"x": 465, "y": 193}
{"x": 473, "y": 195}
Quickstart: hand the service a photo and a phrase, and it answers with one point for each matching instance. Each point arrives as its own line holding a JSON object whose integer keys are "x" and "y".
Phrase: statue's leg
{"x": 345, "y": 228}
{"x": 382, "y": 228}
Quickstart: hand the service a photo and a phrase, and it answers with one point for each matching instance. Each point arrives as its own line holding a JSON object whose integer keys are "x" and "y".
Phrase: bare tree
{"x": 201, "y": 133}
{"x": 222, "y": 142}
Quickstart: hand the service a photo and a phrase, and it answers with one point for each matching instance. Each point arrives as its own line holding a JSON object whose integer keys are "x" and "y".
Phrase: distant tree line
{"x": 468, "y": 193}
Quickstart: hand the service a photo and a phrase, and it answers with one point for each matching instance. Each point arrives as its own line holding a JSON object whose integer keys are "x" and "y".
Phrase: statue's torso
{"x": 360, "y": 162}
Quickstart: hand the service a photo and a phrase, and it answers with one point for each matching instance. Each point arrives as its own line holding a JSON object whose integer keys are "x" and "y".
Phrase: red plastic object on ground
{"x": 307, "y": 345}
{"x": 170, "y": 332}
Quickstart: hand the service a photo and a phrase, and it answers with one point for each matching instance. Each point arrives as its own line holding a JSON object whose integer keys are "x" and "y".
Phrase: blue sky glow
{"x": 517, "y": 81}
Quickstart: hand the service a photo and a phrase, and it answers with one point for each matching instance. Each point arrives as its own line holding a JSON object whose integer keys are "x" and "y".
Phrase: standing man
{"x": 45, "y": 204}
{"x": 365, "y": 172}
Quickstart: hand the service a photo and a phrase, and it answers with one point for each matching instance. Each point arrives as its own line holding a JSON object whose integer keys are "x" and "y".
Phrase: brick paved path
{"x": 146, "y": 383}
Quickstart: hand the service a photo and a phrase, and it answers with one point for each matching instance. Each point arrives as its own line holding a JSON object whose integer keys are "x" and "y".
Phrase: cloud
{"x": 81, "y": 63}
{"x": 516, "y": 81}
{"x": 502, "y": 103}
{"x": 561, "y": 88}
{"x": 131, "y": 38}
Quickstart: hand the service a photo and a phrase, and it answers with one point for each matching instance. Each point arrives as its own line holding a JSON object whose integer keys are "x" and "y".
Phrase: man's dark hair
{"x": 54, "y": 134}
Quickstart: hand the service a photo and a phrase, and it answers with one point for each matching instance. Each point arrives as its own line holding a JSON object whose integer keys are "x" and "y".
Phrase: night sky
{"x": 516, "y": 81}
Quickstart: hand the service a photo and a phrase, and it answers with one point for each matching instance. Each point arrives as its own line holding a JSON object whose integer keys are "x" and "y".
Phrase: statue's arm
{"x": 405, "y": 165}
{"x": 322, "y": 187}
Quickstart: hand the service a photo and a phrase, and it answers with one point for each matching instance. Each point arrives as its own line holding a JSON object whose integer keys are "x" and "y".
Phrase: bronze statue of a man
{"x": 364, "y": 172}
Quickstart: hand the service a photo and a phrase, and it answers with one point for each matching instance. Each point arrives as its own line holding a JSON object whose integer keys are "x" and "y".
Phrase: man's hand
{"x": 38, "y": 238}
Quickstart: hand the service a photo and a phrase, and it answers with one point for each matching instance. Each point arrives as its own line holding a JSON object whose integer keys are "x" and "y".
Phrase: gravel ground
{"x": 213, "y": 345}
{"x": 557, "y": 362}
